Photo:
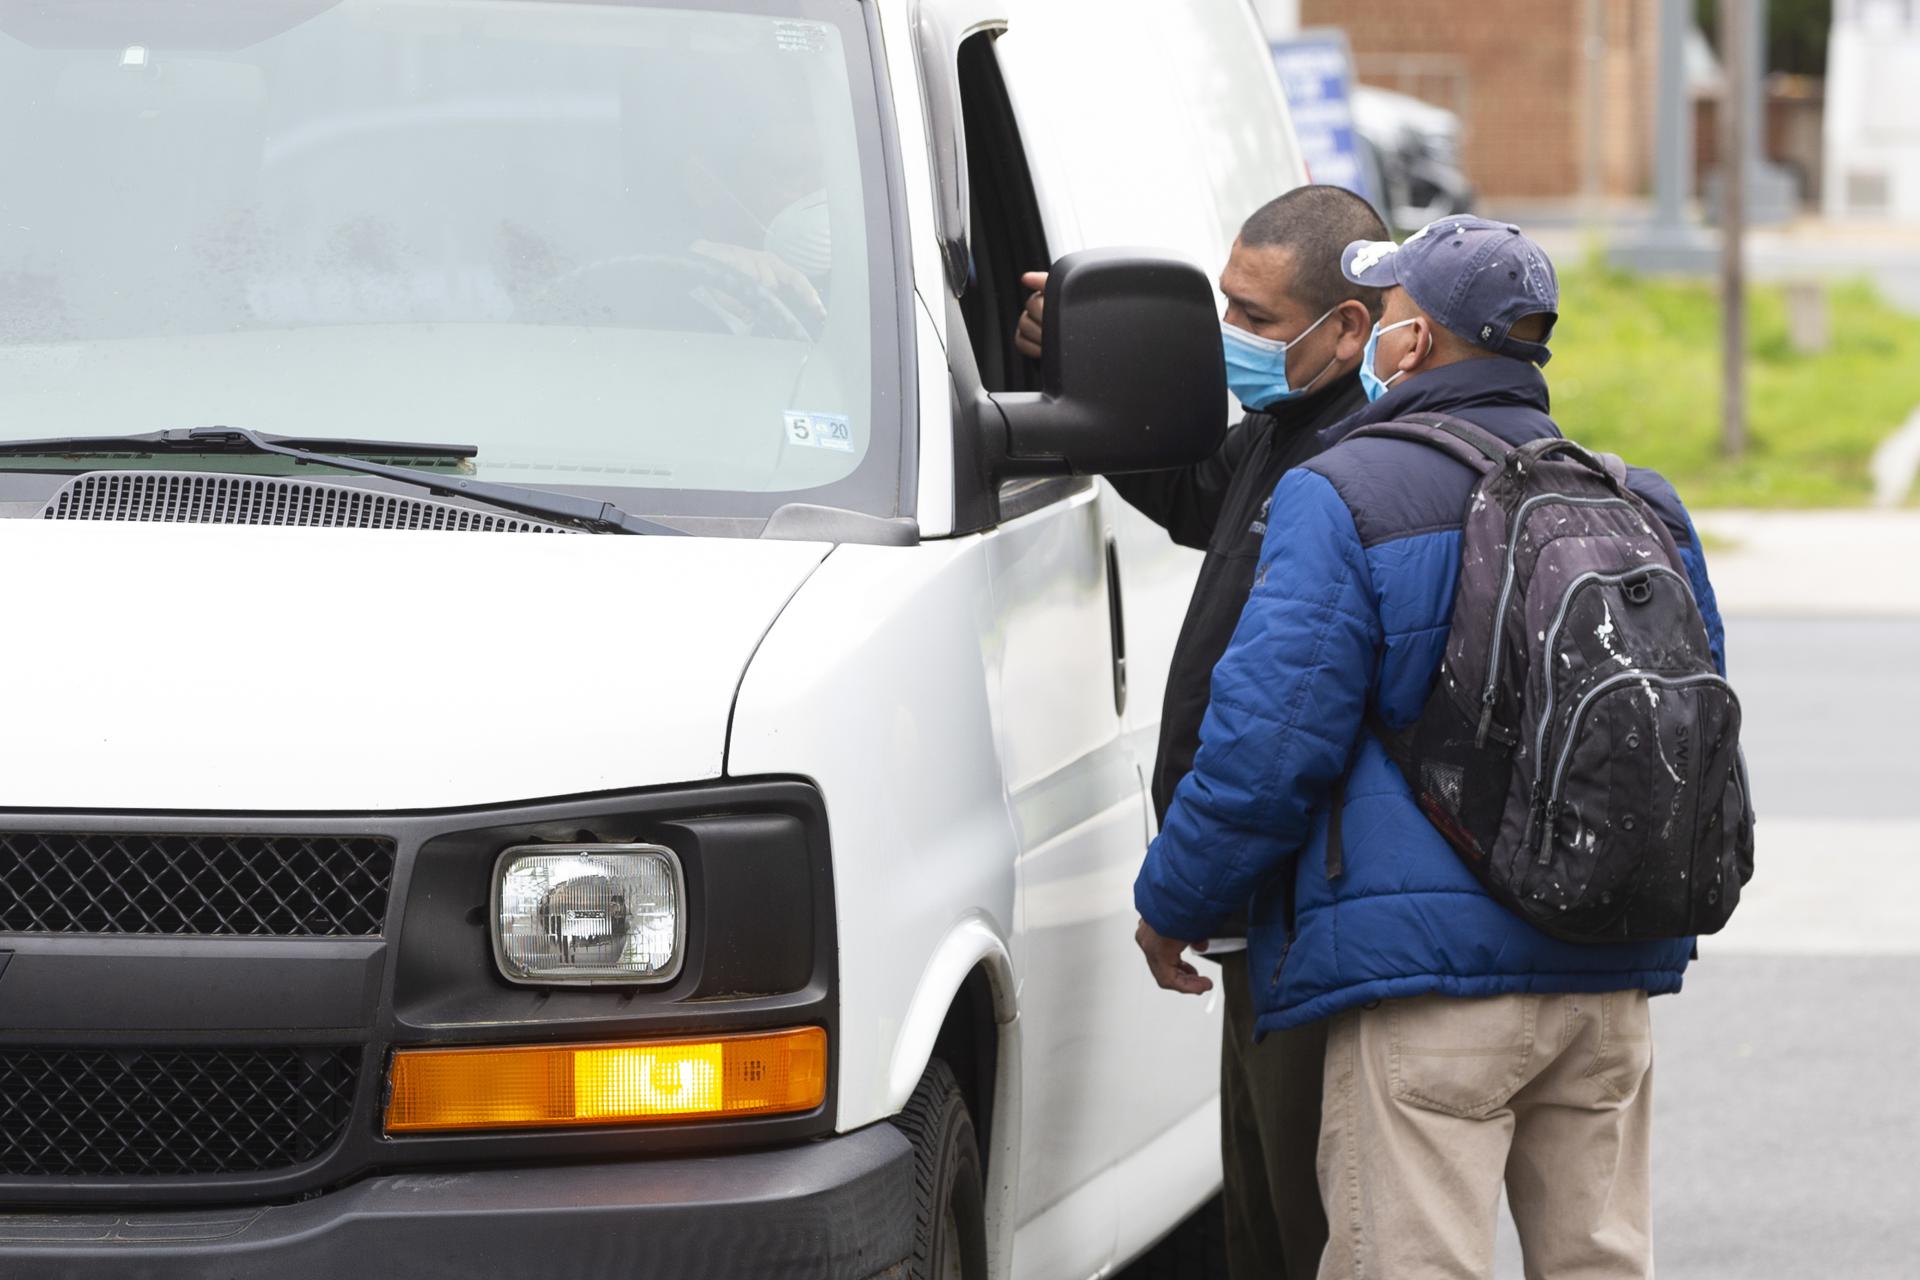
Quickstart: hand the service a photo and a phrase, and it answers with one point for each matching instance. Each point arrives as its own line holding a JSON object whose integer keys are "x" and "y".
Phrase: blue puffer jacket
{"x": 1351, "y": 605}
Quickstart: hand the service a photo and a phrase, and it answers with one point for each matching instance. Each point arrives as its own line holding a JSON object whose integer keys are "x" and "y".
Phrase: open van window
{"x": 621, "y": 248}
{"x": 1006, "y": 235}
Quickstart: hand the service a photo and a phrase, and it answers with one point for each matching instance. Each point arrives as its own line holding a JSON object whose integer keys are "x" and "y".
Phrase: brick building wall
{"x": 1631, "y": 33}
{"x": 1517, "y": 73}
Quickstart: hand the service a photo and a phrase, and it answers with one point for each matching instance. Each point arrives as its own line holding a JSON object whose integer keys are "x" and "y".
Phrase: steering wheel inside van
{"x": 669, "y": 291}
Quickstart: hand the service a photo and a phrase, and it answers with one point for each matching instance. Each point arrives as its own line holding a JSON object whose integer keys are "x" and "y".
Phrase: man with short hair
{"x": 1293, "y": 334}
{"x": 1466, "y": 1049}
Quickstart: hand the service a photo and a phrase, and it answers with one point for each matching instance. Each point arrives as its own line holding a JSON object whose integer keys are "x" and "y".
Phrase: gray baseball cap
{"x": 1477, "y": 278}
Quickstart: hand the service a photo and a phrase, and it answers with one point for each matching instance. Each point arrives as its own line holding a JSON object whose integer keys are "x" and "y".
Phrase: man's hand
{"x": 1026, "y": 338}
{"x": 1164, "y": 962}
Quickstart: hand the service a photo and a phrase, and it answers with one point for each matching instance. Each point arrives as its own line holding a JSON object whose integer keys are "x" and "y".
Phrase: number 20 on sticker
{"x": 820, "y": 431}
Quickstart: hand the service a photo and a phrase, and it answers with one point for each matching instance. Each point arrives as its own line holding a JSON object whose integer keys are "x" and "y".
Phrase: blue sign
{"x": 1316, "y": 70}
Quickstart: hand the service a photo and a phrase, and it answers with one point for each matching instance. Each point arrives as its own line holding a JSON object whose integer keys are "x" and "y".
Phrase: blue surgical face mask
{"x": 1257, "y": 366}
{"x": 1372, "y": 382}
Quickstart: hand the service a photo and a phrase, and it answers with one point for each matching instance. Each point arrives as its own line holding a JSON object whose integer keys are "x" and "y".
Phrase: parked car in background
{"x": 1413, "y": 148}
{"x": 580, "y": 709}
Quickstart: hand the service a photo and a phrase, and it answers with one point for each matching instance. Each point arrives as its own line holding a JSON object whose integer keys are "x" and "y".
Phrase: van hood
{"x": 190, "y": 667}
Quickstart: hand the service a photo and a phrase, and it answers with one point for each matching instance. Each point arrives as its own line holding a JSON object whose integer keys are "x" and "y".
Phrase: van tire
{"x": 950, "y": 1221}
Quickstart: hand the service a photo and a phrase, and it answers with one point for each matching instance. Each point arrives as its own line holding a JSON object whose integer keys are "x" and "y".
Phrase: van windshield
{"x": 616, "y": 246}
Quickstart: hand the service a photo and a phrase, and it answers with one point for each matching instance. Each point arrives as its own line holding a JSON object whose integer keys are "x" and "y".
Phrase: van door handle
{"x": 1116, "y": 617}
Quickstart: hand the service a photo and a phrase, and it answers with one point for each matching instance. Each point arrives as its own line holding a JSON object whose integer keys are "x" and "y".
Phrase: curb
{"x": 1896, "y": 463}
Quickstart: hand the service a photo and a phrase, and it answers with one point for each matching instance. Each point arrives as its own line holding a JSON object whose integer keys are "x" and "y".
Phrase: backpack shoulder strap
{"x": 1609, "y": 467}
{"x": 1456, "y": 437}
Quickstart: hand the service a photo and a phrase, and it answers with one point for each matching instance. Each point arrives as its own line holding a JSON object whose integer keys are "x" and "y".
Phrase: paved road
{"x": 1787, "y": 1126}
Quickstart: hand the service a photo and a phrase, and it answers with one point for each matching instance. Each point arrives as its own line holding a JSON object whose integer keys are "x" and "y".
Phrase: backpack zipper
{"x": 1552, "y": 811}
{"x": 1553, "y": 635}
{"x": 1490, "y": 694}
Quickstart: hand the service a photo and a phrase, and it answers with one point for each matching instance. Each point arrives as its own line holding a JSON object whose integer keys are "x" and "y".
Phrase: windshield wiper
{"x": 224, "y": 440}
{"x": 587, "y": 513}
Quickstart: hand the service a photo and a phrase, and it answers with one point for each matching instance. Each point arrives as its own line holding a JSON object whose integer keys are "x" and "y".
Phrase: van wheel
{"x": 950, "y": 1218}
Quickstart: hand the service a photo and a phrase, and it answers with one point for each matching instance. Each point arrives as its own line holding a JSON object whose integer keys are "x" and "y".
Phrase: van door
{"x": 1074, "y": 791}
{"x": 1150, "y": 132}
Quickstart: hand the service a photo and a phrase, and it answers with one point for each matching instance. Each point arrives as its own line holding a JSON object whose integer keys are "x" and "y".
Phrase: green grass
{"x": 1636, "y": 371}
{"x": 1718, "y": 543}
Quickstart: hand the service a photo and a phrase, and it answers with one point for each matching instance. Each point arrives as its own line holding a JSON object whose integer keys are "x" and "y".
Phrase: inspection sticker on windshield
{"x": 820, "y": 431}
{"x": 799, "y": 37}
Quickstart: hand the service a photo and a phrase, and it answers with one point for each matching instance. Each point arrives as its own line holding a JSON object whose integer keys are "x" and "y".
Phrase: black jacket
{"x": 1220, "y": 506}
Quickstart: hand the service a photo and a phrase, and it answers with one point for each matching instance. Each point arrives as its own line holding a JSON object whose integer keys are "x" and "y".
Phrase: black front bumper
{"x": 840, "y": 1207}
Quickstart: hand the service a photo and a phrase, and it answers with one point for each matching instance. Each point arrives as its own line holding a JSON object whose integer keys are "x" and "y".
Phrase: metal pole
{"x": 1673, "y": 122}
{"x": 1736, "y": 29}
{"x": 1754, "y": 99}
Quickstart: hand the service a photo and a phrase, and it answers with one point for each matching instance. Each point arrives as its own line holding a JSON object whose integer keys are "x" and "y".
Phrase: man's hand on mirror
{"x": 1026, "y": 339}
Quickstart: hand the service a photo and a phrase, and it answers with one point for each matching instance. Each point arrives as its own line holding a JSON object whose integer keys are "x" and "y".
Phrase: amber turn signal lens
{"x": 563, "y": 1086}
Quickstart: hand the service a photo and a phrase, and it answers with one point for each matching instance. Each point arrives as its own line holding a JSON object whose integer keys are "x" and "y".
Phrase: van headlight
{"x": 588, "y": 914}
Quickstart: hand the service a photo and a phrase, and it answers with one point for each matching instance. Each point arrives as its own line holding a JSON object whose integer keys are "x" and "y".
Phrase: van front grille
{"x": 67, "y": 1112}
{"x": 288, "y": 886}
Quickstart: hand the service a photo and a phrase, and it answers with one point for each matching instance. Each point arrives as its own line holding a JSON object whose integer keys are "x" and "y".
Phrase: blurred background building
{"x": 1872, "y": 163}
{"x": 1536, "y": 102}
{"x": 1554, "y": 99}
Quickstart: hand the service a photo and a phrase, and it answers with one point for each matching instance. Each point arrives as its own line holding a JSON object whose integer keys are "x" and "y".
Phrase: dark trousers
{"x": 1269, "y": 1135}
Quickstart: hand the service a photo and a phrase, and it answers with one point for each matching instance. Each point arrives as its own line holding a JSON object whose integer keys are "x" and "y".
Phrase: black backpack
{"x": 1579, "y": 748}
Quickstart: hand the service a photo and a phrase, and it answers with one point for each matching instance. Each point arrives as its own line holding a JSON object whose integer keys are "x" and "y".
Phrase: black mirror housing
{"x": 1132, "y": 376}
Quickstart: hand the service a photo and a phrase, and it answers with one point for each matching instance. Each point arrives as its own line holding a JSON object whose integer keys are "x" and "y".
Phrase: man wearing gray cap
{"x": 1466, "y": 1048}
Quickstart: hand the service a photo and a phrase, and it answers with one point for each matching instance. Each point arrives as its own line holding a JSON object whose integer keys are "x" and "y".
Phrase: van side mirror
{"x": 1132, "y": 377}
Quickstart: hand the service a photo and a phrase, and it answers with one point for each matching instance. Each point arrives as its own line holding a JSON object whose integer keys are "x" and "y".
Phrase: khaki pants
{"x": 1269, "y": 1127}
{"x": 1431, "y": 1103}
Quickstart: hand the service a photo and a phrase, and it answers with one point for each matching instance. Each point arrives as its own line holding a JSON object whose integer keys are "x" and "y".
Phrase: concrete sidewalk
{"x": 1861, "y": 564}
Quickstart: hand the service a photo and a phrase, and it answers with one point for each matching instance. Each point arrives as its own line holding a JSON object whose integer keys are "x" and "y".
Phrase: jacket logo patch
{"x": 1259, "y": 526}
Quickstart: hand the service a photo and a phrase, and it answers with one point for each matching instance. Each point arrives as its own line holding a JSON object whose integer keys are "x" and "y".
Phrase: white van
{"x": 571, "y": 707}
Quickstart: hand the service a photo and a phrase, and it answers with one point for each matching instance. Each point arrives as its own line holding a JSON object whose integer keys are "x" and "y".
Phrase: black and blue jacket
{"x": 1350, "y": 608}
